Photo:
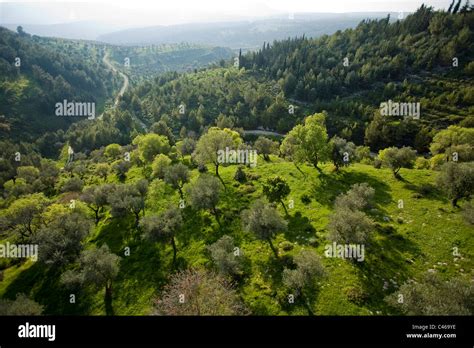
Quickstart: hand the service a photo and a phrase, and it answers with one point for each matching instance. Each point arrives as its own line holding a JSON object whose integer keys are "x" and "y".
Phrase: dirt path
{"x": 125, "y": 85}
{"x": 124, "y": 77}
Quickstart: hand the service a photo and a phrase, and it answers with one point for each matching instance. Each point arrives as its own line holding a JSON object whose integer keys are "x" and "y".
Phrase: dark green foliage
{"x": 457, "y": 181}
{"x": 302, "y": 279}
{"x": 226, "y": 257}
{"x": 98, "y": 267}
{"x": 177, "y": 175}
{"x": 60, "y": 241}
{"x": 276, "y": 189}
{"x": 264, "y": 222}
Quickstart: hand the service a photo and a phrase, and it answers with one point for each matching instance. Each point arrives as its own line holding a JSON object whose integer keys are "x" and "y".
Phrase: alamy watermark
{"x": 8, "y": 250}
{"x": 391, "y": 108}
{"x": 345, "y": 251}
{"x": 237, "y": 156}
{"x": 84, "y": 109}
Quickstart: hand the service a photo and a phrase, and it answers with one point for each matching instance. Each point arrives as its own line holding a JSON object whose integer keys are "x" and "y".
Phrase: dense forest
{"x": 145, "y": 62}
{"x": 271, "y": 183}
{"x": 38, "y": 72}
{"x": 425, "y": 58}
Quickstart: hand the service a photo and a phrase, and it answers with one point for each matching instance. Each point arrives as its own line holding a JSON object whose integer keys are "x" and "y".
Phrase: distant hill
{"x": 242, "y": 34}
{"x": 84, "y": 30}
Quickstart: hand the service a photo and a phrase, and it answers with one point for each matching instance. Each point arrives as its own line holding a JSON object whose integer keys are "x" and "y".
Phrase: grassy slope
{"x": 417, "y": 238}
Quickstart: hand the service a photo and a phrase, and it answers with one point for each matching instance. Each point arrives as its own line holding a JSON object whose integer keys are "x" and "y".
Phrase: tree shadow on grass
{"x": 387, "y": 261}
{"x": 426, "y": 191}
{"x": 41, "y": 282}
{"x": 299, "y": 229}
{"x": 145, "y": 267}
{"x": 332, "y": 185}
{"x": 116, "y": 233}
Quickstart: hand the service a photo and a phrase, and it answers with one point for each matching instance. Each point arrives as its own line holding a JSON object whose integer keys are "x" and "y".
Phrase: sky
{"x": 168, "y": 12}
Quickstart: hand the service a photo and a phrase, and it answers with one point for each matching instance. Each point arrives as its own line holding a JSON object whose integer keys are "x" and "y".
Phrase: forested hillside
{"x": 36, "y": 73}
{"x": 146, "y": 62}
{"x": 426, "y": 58}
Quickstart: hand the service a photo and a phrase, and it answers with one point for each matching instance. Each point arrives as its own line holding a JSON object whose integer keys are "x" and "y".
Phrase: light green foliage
{"x": 159, "y": 166}
{"x": 454, "y": 139}
{"x": 113, "y": 151}
{"x": 213, "y": 141}
{"x": 150, "y": 145}
{"x": 395, "y": 158}
{"x": 308, "y": 142}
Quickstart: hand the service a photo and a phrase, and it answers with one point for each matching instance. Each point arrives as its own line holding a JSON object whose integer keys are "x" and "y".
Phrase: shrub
{"x": 434, "y": 296}
{"x": 305, "y": 199}
{"x": 422, "y": 163}
{"x": 240, "y": 175}
{"x": 72, "y": 185}
{"x": 356, "y": 295}
{"x": 468, "y": 213}
{"x": 437, "y": 161}
{"x": 21, "y": 306}
{"x": 160, "y": 164}
{"x": 202, "y": 168}
{"x": 377, "y": 163}
{"x": 363, "y": 154}
{"x": 286, "y": 246}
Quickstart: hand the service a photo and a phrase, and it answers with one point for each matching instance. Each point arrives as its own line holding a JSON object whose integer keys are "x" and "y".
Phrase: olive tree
{"x": 98, "y": 267}
{"x": 342, "y": 151}
{"x": 163, "y": 227}
{"x": 176, "y": 176}
{"x": 264, "y": 222}
{"x": 226, "y": 257}
{"x": 215, "y": 140}
{"x": 60, "y": 241}
{"x": 276, "y": 189}
{"x": 204, "y": 194}
{"x": 302, "y": 279}
{"x": 22, "y": 305}
{"x": 456, "y": 180}
{"x": 395, "y": 158}
{"x": 266, "y": 147}
{"x": 96, "y": 198}
{"x": 434, "y": 296}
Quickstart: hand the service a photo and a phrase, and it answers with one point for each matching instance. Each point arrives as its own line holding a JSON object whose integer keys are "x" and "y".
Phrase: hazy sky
{"x": 159, "y": 12}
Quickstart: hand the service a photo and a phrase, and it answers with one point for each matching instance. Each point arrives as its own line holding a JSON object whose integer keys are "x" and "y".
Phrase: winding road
{"x": 125, "y": 85}
{"x": 125, "y": 78}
